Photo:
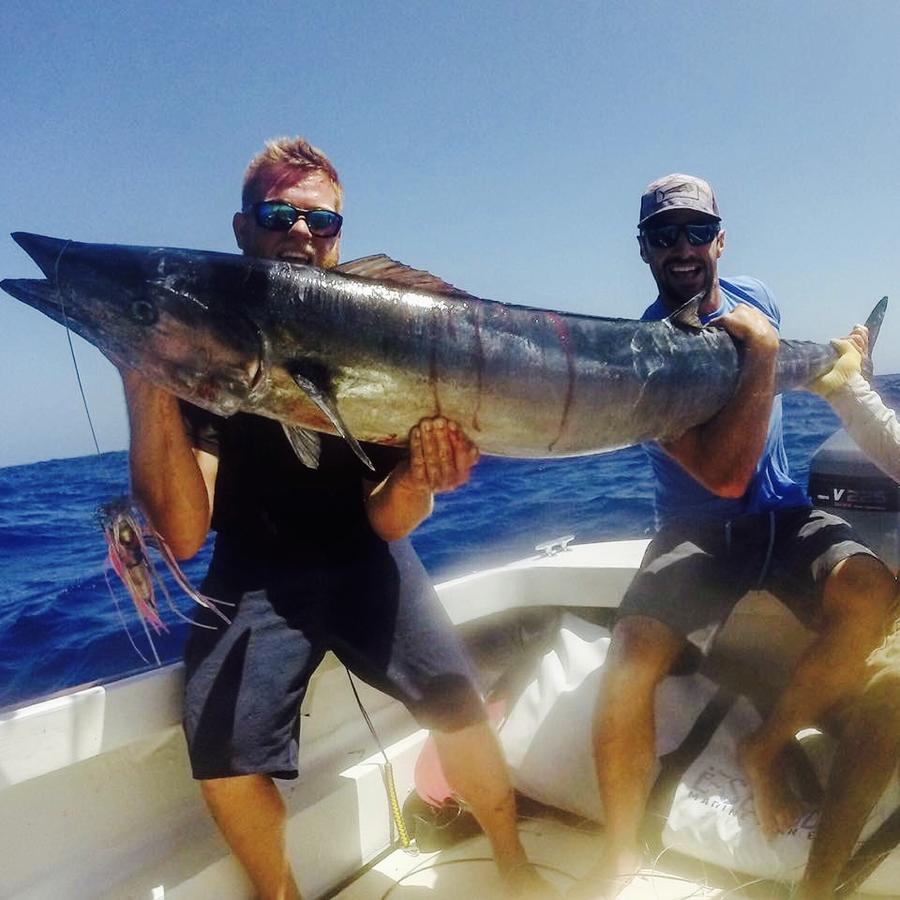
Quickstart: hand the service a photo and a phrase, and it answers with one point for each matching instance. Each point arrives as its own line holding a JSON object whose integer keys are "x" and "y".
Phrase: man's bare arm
{"x": 440, "y": 459}
{"x": 722, "y": 454}
{"x": 173, "y": 482}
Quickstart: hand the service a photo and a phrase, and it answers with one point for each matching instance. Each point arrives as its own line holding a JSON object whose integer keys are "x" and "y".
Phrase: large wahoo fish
{"x": 369, "y": 348}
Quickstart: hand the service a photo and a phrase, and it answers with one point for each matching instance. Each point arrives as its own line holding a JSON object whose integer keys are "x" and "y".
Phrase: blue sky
{"x": 502, "y": 145}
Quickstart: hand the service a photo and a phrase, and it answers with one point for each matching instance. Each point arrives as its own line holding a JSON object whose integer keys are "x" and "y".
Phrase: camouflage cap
{"x": 678, "y": 191}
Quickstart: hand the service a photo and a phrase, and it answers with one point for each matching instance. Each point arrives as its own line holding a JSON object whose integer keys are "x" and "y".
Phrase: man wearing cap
{"x": 729, "y": 519}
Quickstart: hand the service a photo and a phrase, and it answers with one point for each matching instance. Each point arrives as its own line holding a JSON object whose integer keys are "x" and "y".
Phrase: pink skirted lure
{"x": 129, "y": 538}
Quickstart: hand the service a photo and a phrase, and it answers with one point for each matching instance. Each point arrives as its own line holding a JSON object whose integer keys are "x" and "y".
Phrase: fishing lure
{"x": 129, "y": 538}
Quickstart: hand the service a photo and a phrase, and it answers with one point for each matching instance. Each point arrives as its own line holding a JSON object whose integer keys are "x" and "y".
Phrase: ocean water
{"x": 59, "y": 624}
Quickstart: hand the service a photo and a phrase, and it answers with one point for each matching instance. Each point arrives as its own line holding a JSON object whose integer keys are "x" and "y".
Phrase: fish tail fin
{"x": 873, "y": 324}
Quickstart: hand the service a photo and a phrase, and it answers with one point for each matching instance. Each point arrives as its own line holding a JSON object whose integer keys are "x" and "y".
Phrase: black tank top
{"x": 266, "y": 500}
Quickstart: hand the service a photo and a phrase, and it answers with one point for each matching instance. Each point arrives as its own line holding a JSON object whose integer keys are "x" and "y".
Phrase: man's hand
{"x": 722, "y": 454}
{"x": 852, "y": 349}
{"x": 136, "y": 384}
{"x": 750, "y": 327}
{"x": 441, "y": 457}
{"x": 859, "y": 337}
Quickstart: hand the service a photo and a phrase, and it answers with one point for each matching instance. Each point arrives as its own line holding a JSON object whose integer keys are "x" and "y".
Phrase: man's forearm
{"x": 398, "y": 505}
{"x": 723, "y": 453}
{"x": 735, "y": 438}
{"x": 440, "y": 459}
{"x": 870, "y": 423}
{"x": 165, "y": 477}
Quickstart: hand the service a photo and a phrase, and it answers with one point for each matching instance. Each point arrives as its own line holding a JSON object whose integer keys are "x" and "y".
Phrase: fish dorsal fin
{"x": 380, "y": 267}
{"x": 318, "y": 396}
{"x": 307, "y": 444}
{"x": 688, "y": 315}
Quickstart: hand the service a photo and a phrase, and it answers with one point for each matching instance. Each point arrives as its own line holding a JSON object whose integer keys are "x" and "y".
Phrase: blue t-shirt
{"x": 678, "y": 495}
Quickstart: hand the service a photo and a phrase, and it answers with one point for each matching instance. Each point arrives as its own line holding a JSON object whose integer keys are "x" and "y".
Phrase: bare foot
{"x": 777, "y": 808}
{"x": 609, "y": 877}
{"x": 522, "y": 882}
{"x": 805, "y": 891}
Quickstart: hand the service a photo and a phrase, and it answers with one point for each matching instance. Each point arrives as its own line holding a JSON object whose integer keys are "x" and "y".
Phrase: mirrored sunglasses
{"x": 665, "y": 236}
{"x": 276, "y": 215}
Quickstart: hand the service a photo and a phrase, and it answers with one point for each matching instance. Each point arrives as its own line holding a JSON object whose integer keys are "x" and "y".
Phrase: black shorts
{"x": 377, "y": 611}
{"x": 693, "y": 573}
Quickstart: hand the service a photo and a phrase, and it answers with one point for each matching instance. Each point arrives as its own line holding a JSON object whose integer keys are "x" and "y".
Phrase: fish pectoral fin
{"x": 380, "y": 267}
{"x": 307, "y": 444}
{"x": 314, "y": 392}
{"x": 688, "y": 316}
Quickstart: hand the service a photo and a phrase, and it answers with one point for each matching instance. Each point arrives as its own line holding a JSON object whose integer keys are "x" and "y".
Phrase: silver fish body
{"x": 369, "y": 349}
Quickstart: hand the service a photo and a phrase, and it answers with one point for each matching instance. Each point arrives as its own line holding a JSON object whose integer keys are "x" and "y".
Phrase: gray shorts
{"x": 376, "y": 610}
{"x": 693, "y": 573}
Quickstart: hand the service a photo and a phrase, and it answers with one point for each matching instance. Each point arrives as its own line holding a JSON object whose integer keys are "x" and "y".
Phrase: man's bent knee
{"x": 860, "y": 589}
{"x": 645, "y": 642}
{"x": 238, "y": 789}
{"x": 644, "y": 647}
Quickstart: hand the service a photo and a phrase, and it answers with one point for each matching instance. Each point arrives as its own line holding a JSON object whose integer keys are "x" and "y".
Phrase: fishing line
{"x": 390, "y": 785}
{"x": 441, "y": 863}
{"x": 105, "y": 463}
{"x": 713, "y": 872}
{"x": 62, "y": 306}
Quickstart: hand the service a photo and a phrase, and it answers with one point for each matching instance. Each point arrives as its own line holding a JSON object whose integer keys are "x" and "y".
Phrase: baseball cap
{"x": 678, "y": 191}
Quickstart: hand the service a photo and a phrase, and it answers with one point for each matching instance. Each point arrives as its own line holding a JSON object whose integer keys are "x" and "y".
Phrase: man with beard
{"x": 730, "y": 519}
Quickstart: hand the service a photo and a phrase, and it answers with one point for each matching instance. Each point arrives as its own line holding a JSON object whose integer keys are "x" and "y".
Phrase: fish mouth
{"x": 39, "y": 294}
{"x": 45, "y": 251}
{"x": 45, "y": 296}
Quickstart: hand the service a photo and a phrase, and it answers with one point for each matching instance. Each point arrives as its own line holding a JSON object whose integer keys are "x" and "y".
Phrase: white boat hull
{"x": 97, "y": 801}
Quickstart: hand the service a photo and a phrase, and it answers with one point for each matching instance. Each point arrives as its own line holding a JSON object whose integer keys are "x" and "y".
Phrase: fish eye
{"x": 143, "y": 312}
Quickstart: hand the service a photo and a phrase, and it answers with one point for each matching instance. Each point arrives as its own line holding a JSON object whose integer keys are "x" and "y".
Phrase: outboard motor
{"x": 843, "y": 480}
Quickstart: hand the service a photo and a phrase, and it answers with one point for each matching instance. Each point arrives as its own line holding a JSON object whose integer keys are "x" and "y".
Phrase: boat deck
{"x": 563, "y": 849}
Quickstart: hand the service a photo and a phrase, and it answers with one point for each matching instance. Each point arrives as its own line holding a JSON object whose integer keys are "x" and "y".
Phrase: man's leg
{"x": 641, "y": 653}
{"x": 858, "y": 597}
{"x": 393, "y": 632}
{"x": 251, "y": 815}
{"x": 244, "y": 684}
{"x": 867, "y": 754}
{"x": 476, "y": 771}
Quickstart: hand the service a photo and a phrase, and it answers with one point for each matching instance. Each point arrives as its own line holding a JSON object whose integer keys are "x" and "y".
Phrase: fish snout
{"x": 45, "y": 251}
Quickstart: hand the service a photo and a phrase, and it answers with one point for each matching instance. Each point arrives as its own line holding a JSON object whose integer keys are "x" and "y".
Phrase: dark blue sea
{"x": 59, "y": 626}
